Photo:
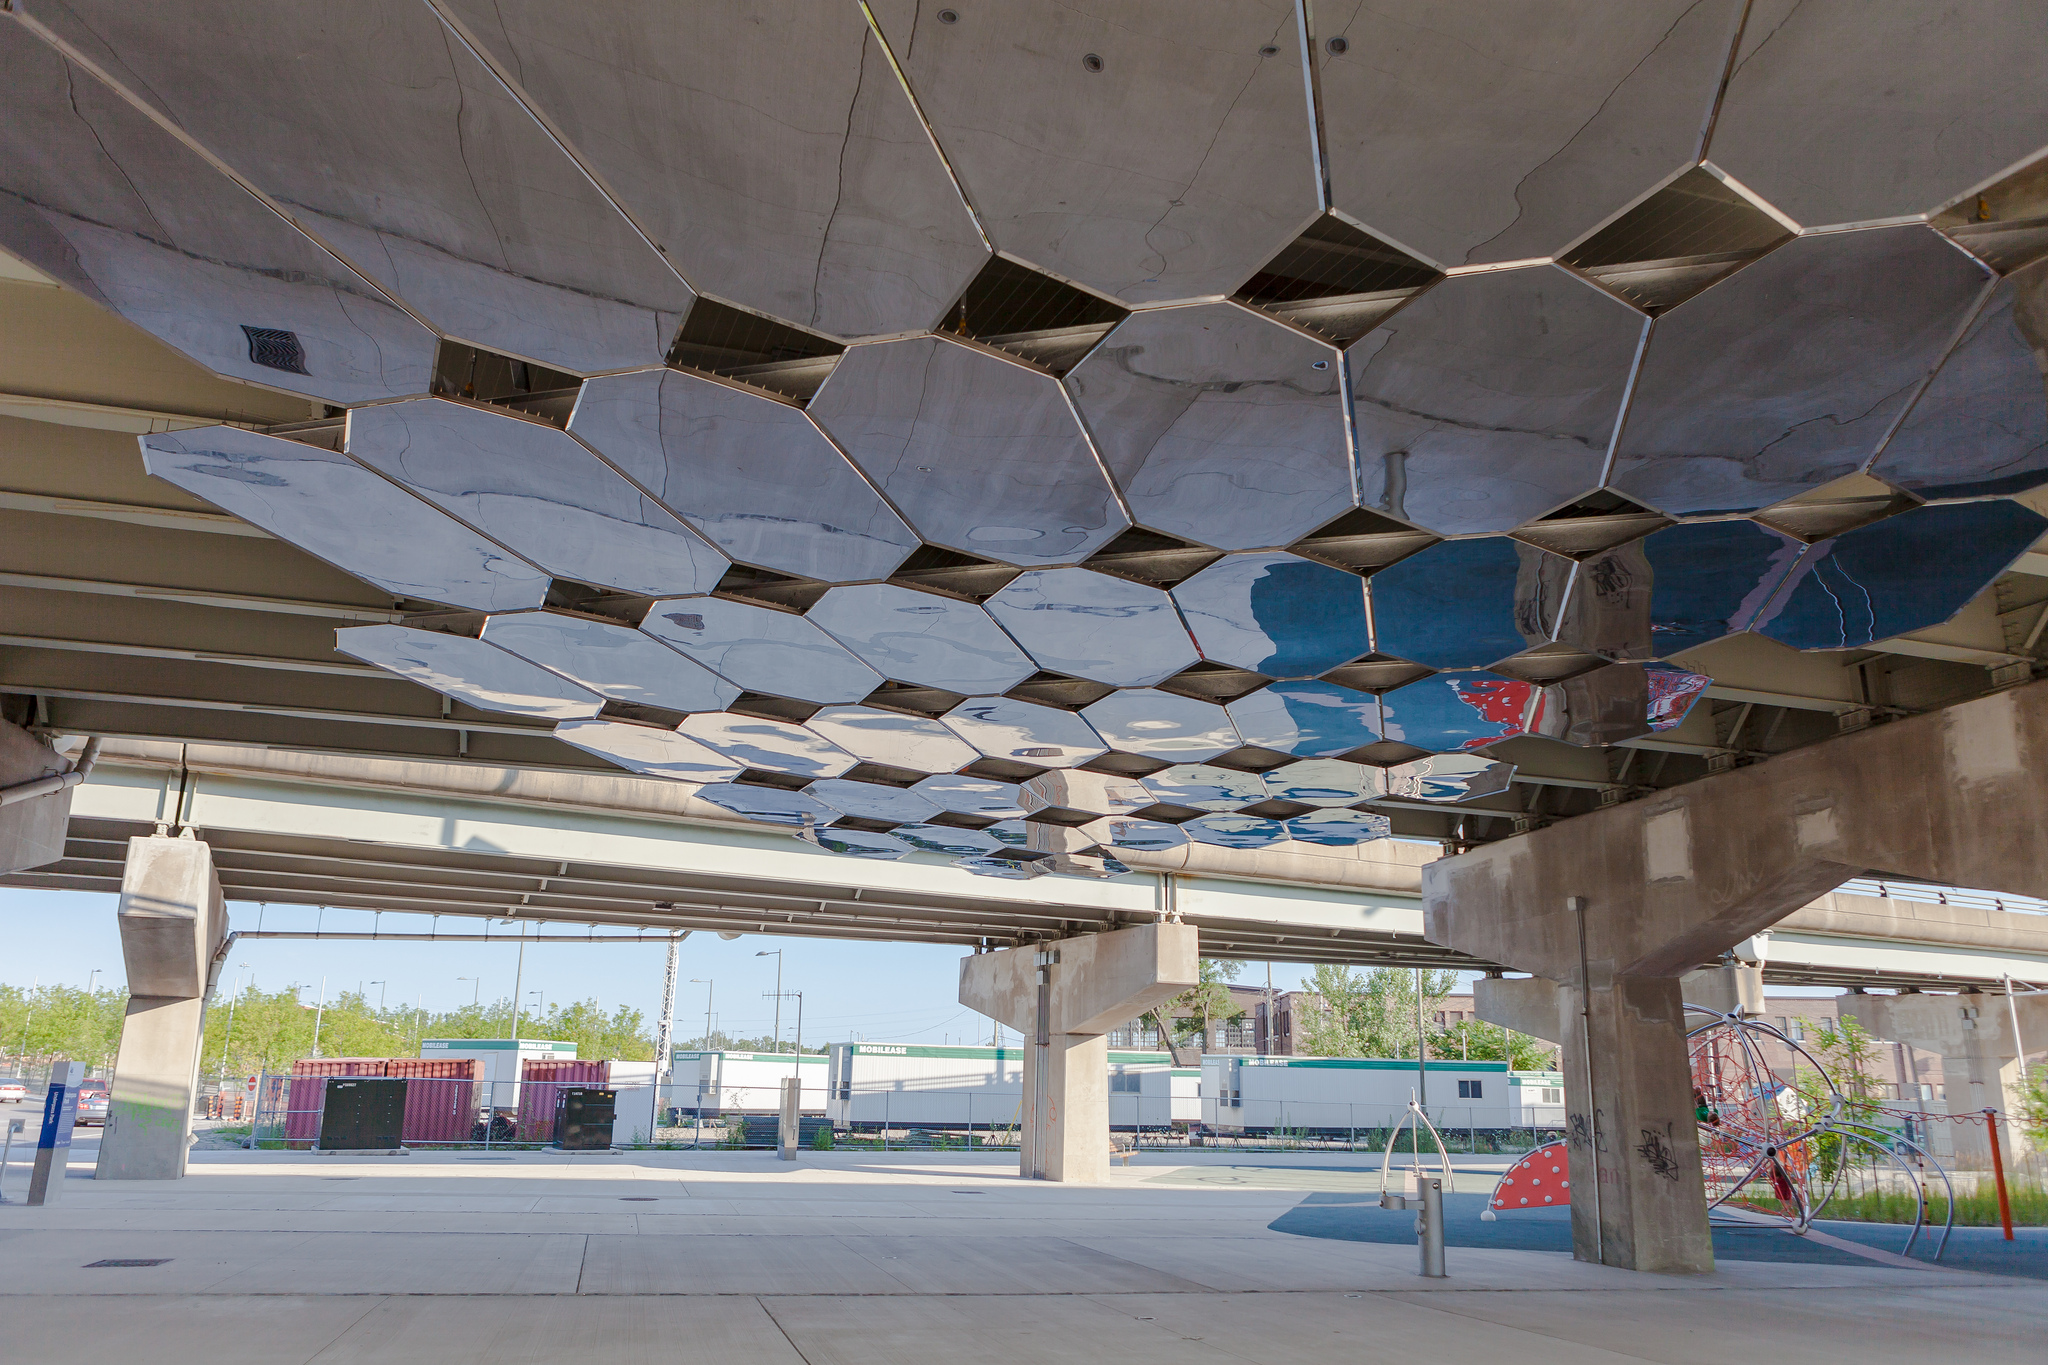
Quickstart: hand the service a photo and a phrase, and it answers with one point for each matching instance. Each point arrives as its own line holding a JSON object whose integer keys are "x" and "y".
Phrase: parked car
{"x": 92, "y": 1103}
{"x": 12, "y": 1091}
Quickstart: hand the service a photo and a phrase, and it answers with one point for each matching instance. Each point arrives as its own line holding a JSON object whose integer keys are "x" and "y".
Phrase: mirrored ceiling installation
{"x": 611, "y": 660}
{"x": 1090, "y": 625}
{"x": 921, "y": 637}
{"x": 469, "y": 670}
{"x": 761, "y": 649}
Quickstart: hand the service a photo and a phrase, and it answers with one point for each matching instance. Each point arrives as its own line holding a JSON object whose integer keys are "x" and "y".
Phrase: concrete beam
{"x": 31, "y": 830}
{"x": 1526, "y": 1004}
{"x": 1980, "y": 1057}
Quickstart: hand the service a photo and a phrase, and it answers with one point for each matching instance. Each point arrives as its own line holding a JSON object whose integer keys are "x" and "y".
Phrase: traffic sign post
{"x": 53, "y": 1145}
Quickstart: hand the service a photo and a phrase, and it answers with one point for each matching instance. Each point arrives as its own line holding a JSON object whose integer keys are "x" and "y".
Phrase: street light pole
{"x": 518, "y": 980}
{"x": 664, "y": 1040}
{"x": 776, "y": 953}
{"x": 386, "y": 985}
{"x": 709, "y": 985}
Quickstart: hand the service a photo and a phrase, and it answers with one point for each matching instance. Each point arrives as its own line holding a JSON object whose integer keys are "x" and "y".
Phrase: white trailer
{"x": 903, "y": 1085}
{"x": 1537, "y": 1098}
{"x": 1346, "y": 1094}
{"x": 502, "y": 1058}
{"x": 712, "y": 1083}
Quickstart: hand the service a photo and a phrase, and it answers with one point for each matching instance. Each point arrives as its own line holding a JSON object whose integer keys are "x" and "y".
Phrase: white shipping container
{"x": 743, "y": 1082}
{"x": 1537, "y": 1098}
{"x": 1348, "y": 1093}
{"x": 897, "y": 1085}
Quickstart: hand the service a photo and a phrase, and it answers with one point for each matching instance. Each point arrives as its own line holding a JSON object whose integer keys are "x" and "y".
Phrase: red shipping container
{"x": 440, "y": 1097}
{"x": 308, "y": 1098}
{"x": 539, "y": 1083}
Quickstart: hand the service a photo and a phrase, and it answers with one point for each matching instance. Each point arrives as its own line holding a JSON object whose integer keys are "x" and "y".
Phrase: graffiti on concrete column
{"x": 1657, "y": 1153}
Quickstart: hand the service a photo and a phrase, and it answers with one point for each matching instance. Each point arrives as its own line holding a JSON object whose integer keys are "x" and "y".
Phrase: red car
{"x": 92, "y": 1103}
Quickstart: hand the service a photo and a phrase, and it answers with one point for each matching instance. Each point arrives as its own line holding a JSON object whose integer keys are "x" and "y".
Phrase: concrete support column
{"x": 172, "y": 925}
{"x": 32, "y": 820}
{"x": 1980, "y": 1063}
{"x": 1065, "y": 997}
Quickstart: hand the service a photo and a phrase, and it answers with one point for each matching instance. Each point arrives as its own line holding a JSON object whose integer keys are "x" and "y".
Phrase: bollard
{"x": 787, "y": 1128}
{"x": 1998, "y": 1173}
{"x": 1428, "y": 1204}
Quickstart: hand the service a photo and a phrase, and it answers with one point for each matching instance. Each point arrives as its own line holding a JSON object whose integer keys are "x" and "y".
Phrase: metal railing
{"x": 1943, "y": 895}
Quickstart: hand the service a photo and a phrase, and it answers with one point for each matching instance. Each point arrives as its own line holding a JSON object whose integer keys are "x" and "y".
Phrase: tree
{"x": 61, "y": 1021}
{"x": 1368, "y": 1015}
{"x": 1483, "y": 1042}
{"x": 1195, "y": 1009}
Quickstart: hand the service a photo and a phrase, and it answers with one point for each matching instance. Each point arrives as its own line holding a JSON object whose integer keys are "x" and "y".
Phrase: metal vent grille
{"x": 720, "y": 339}
{"x": 1681, "y": 239}
{"x": 1337, "y": 279}
{"x": 275, "y": 349}
{"x": 1030, "y": 314}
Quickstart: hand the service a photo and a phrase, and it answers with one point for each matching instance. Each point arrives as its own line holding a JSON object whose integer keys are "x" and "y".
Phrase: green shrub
{"x": 821, "y": 1140}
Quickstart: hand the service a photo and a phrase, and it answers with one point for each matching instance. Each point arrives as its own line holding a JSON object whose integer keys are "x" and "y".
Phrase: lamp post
{"x": 477, "y": 995}
{"x": 709, "y": 985}
{"x": 386, "y": 988}
{"x": 776, "y": 953}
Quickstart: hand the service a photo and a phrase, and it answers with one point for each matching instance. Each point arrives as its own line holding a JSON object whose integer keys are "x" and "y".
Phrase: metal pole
{"x": 2019, "y": 1047}
{"x": 1421, "y": 1061}
{"x": 518, "y": 980}
{"x": 319, "y": 1013}
{"x": 1998, "y": 1173}
{"x": 1429, "y": 1227}
{"x": 1577, "y": 905}
{"x": 665, "y": 1039}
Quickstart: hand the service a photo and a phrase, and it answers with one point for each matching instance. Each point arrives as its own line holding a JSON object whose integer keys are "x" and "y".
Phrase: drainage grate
{"x": 107, "y": 1265}
{"x": 639, "y": 1199}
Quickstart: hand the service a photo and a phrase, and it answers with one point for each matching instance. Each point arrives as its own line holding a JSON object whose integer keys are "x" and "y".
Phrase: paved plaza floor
{"x": 904, "y": 1259}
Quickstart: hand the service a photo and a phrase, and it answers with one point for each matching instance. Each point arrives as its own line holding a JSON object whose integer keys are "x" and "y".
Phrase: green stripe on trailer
{"x": 1369, "y": 1064}
{"x": 494, "y": 1045}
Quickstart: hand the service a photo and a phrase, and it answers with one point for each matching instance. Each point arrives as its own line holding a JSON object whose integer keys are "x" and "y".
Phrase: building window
{"x": 1469, "y": 1090}
{"x": 1127, "y": 1083}
{"x": 1552, "y": 1095}
{"x": 1795, "y": 1028}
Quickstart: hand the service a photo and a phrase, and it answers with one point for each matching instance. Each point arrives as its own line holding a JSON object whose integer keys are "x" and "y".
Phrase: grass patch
{"x": 1977, "y": 1210}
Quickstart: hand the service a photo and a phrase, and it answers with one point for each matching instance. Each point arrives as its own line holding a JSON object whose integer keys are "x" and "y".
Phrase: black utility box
{"x": 583, "y": 1118}
{"x": 362, "y": 1113}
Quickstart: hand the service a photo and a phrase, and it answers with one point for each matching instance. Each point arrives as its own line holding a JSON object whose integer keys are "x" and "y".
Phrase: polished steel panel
{"x": 1094, "y": 864}
{"x": 527, "y": 485}
{"x": 1601, "y": 707}
{"x": 1787, "y": 374}
{"x": 1461, "y": 710}
{"x": 1448, "y": 778}
{"x": 385, "y": 136}
{"x": 1090, "y": 625}
{"x": 894, "y": 740}
{"x": 649, "y": 751}
{"x": 1981, "y": 425}
{"x": 468, "y": 670}
{"x": 1220, "y": 425}
{"x": 1673, "y": 692}
{"x": 871, "y": 801}
{"x": 1308, "y": 719}
{"x": 960, "y": 843}
{"x": 1843, "y": 111}
{"x": 1472, "y": 133}
{"x": 1492, "y": 398}
{"x": 971, "y": 795}
{"x": 1024, "y": 732}
{"x": 771, "y": 745}
{"x": 920, "y": 637}
{"x": 768, "y": 147}
{"x": 1338, "y": 828}
{"x": 1202, "y": 786}
{"x": 1009, "y": 869}
{"x": 856, "y": 843}
{"x": 99, "y": 198}
{"x": 751, "y": 474}
{"x": 1161, "y": 725}
{"x": 331, "y": 507}
{"x": 982, "y": 454}
{"x": 1080, "y": 790}
{"x": 1902, "y": 574}
{"x": 769, "y": 805}
{"x": 1710, "y": 579}
{"x": 1607, "y": 608}
{"x": 1323, "y": 782}
{"x": 1171, "y": 167}
{"x": 1276, "y": 614}
{"x": 611, "y": 660}
{"x": 1040, "y": 837}
{"x": 1456, "y": 605}
{"x": 1147, "y": 836}
{"x": 1235, "y": 831}
{"x": 761, "y": 649}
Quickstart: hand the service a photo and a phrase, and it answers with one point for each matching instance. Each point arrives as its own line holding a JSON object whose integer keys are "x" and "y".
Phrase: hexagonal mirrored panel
{"x": 893, "y": 739}
{"x": 1460, "y": 710}
{"x": 751, "y": 474}
{"x": 1338, "y": 828}
{"x": 769, "y": 805}
{"x": 1076, "y": 789}
{"x": 468, "y": 670}
{"x": 1024, "y": 732}
{"x": 649, "y": 751}
{"x": 920, "y": 637}
{"x": 333, "y": 508}
{"x": 1090, "y": 625}
{"x": 772, "y": 745}
{"x": 1040, "y": 837}
{"x": 1709, "y": 579}
{"x": 1673, "y": 692}
{"x": 871, "y": 801}
{"x": 533, "y": 488}
{"x": 761, "y": 649}
{"x": 1276, "y": 614}
{"x": 1221, "y": 426}
{"x": 611, "y": 660}
{"x": 1455, "y": 605}
{"x": 1008, "y": 869}
{"x": 1448, "y": 778}
{"x": 1163, "y": 726}
{"x": 1096, "y": 864}
{"x": 972, "y": 795}
{"x": 1202, "y": 786}
{"x": 1235, "y": 831}
{"x": 856, "y": 843}
{"x": 981, "y": 453}
{"x": 958, "y": 843}
{"x": 1323, "y": 782}
{"x": 1309, "y": 719}
{"x": 1138, "y": 836}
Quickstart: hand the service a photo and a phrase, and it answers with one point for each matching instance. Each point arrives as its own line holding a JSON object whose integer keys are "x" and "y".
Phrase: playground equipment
{"x": 1424, "y": 1193}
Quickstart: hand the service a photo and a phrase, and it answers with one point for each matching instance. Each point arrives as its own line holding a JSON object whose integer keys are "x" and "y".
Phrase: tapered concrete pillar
{"x": 1980, "y": 1063}
{"x": 172, "y": 925}
{"x": 1065, "y": 997}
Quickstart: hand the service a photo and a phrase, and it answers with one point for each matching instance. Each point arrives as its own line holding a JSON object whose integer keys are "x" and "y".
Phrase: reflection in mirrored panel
{"x": 611, "y": 660}
{"x": 1160, "y": 725}
{"x": 1672, "y": 694}
{"x": 1709, "y": 579}
{"x": 872, "y": 801}
{"x": 769, "y": 805}
{"x": 1043, "y": 838}
{"x": 1786, "y": 375}
{"x": 1096, "y": 864}
{"x": 1276, "y": 614}
{"x": 1024, "y": 732}
{"x": 385, "y": 136}
{"x": 1339, "y": 828}
{"x": 1460, "y": 710}
{"x": 972, "y": 796}
{"x": 331, "y": 507}
{"x": 1604, "y": 706}
{"x": 1009, "y": 869}
{"x": 1089, "y": 625}
{"x": 1203, "y": 787}
{"x": 468, "y": 670}
{"x": 920, "y": 637}
{"x": 982, "y": 454}
{"x": 533, "y": 488}
{"x": 1078, "y": 789}
{"x": 1902, "y": 574}
{"x": 761, "y": 649}
{"x": 856, "y": 843}
{"x": 1010, "y": 832}
{"x": 649, "y": 751}
{"x": 1448, "y": 778}
{"x": 772, "y": 745}
{"x": 959, "y": 843}
{"x": 1139, "y": 836}
{"x": 1220, "y": 425}
{"x": 1312, "y": 719}
{"x": 1323, "y": 782}
{"x": 1235, "y": 831}
{"x": 753, "y": 475}
{"x": 892, "y": 739}
{"x": 106, "y": 202}
{"x": 1455, "y": 605}
{"x": 1492, "y": 398}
